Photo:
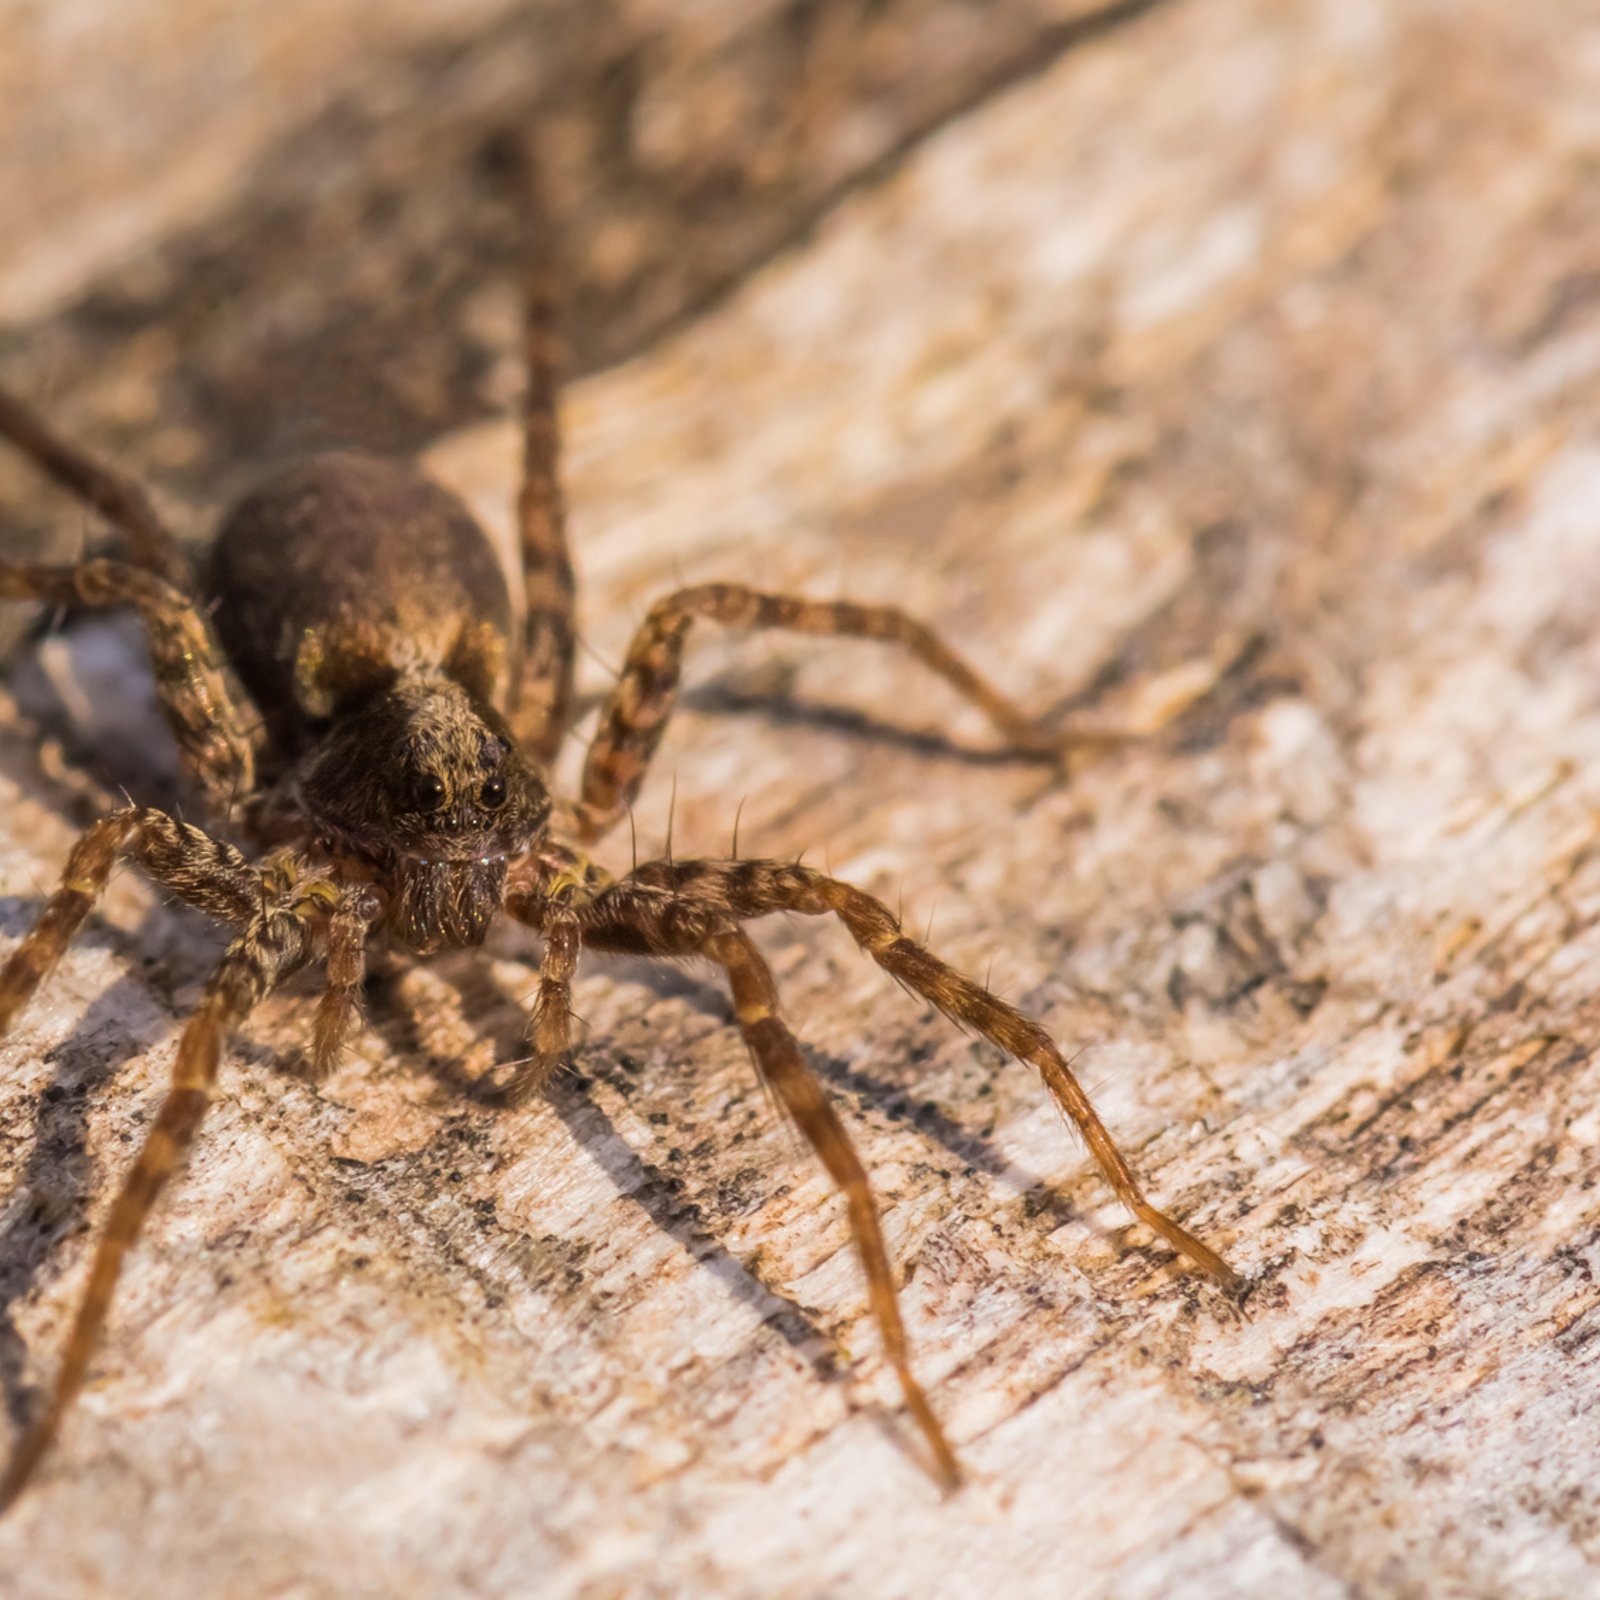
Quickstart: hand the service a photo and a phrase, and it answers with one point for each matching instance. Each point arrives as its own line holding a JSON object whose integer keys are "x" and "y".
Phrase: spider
{"x": 351, "y": 699}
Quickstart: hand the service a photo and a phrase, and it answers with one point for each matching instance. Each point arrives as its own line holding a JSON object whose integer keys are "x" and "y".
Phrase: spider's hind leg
{"x": 543, "y": 705}
{"x": 120, "y": 500}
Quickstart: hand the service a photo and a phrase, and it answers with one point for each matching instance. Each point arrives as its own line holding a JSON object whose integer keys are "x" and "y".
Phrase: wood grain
{"x": 1254, "y": 333}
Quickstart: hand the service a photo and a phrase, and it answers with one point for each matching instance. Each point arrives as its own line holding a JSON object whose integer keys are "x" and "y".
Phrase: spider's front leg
{"x": 206, "y": 873}
{"x": 286, "y": 917}
{"x": 642, "y": 919}
{"x": 742, "y": 889}
{"x": 276, "y": 942}
{"x": 776, "y": 1053}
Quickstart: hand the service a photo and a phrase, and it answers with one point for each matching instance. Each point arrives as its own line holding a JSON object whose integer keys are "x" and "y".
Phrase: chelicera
{"x": 370, "y": 735}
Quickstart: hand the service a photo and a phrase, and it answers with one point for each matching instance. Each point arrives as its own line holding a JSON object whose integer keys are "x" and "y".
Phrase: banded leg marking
{"x": 745, "y": 889}
{"x": 273, "y": 946}
{"x": 550, "y": 631}
{"x": 350, "y": 915}
{"x": 203, "y": 871}
{"x": 776, "y": 1054}
{"x": 647, "y": 919}
{"x": 214, "y": 740}
{"x": 636, "y": 715}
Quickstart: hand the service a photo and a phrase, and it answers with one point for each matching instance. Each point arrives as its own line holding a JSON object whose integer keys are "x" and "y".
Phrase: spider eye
{"x": 427, "y": 791}
{"x": 493, "y": 793}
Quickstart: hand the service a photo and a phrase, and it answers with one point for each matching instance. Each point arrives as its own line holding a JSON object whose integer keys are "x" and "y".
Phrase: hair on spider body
{"x": 366, "y": 612}
{"x": 371, "y": 733}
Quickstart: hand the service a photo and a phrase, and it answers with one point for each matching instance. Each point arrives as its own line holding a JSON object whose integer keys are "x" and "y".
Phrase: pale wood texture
{"x": 1252, "y": 334}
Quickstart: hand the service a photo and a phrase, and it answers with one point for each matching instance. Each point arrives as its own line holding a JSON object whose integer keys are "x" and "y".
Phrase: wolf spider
{"x": 390, "y": 772}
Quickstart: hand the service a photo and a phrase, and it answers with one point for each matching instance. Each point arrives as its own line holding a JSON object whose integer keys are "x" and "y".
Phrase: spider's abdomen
{"x": 343, "y": 571}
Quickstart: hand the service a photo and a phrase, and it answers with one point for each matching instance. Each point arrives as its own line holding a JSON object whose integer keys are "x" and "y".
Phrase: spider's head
{"x": 425, "y": 784}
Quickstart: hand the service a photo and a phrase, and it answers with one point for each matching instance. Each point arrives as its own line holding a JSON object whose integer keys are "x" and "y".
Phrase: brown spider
{"x": 394, "y": 771}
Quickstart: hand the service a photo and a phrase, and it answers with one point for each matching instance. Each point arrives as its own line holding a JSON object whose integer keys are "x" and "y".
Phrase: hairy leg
{"x": 274, "y": 945}
{"x": 742, "y": 889}
{"x": 548, "y": 891}
{"x": 544, "y": 706}
{"x": 550, "y": 1024}
{"x": 203, "y": 871}
{"x": 635, "y": 717}
{"x": 350, "y": 912}
{"x": 645, "y": 919}
{"x": 777, "y": 1058}
{"x": 213, "y": 737}
{"x": 121, "y": 501}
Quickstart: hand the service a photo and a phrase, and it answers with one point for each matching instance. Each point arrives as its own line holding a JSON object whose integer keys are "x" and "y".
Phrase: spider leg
{"x": 636, "y": 714}
{"x": 744, "y": 889}
{"x": 645, "y": 919}
{"x": 120, "y": 500}
{"x": 550, "y": 1023}
{"x": 214, "y": 742}
{"x": 203, "y": 871}
{"x": 351, "y": 912}
{"x": 274, "y": 945}
{"x": 544, "y": 695}
{"x": 548, "y": 891}
{"x": 776, "y": 1054}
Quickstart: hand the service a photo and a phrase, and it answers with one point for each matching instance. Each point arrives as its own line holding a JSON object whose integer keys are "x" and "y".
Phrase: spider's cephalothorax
{"x": 424, "y": 784}
{"x": 355, "y": 705}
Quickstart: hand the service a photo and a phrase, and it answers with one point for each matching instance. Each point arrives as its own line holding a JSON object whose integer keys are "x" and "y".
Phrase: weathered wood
{"x": 1255, "y": 332}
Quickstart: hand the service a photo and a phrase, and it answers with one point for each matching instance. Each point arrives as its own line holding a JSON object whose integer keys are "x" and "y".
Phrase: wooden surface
{"x": 1254, "y": 332}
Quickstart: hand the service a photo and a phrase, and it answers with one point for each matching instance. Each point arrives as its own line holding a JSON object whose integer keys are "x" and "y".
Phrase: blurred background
{"x": 235, "y": 232}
